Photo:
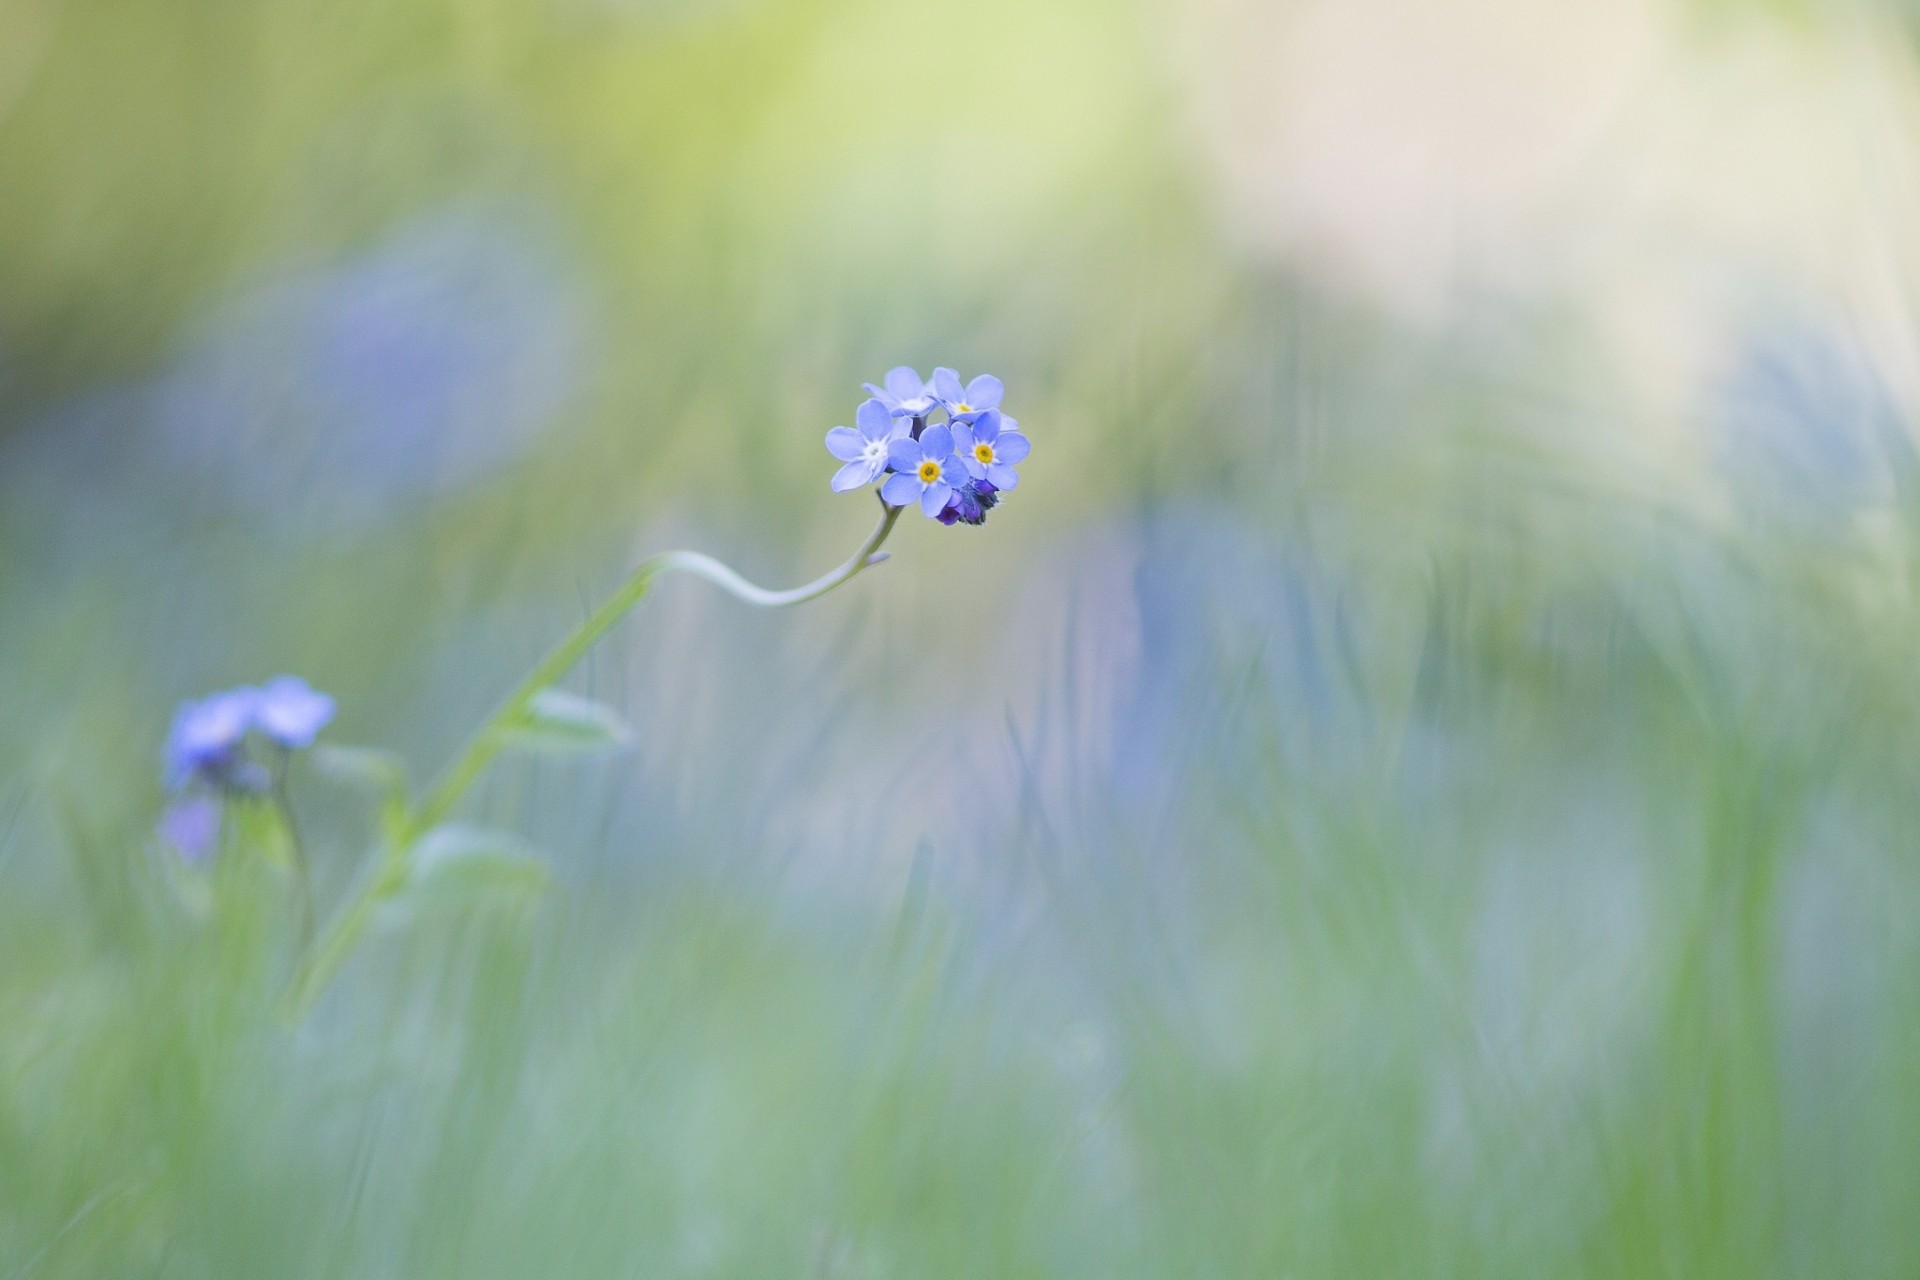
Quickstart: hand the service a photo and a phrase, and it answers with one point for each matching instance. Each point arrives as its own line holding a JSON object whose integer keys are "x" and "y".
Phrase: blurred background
{"x": 1420, "y": 779}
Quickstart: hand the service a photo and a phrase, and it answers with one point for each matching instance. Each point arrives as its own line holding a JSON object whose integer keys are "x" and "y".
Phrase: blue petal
{"x": 935, "y": 497}
{"x": 946, "y": 385}
{"x": 964, "y": 435}
{"x": 900, "y": 491}
{"x": 206, "y": 732}
{"x": 975, "y": 468}
{"x": 984, "y": 392}
{"x": 903, "y": 453}
{"x": 903, "y": 382}
{"x": 1012, "y": 446}
{"x": 845, "y": 443}
{"x": 937, "y": 442}
{"x": 874, "y": 419}
{"x": 291, "y": 712}
{"x": 222, "y": 719}
{"x": 855, "y": 474}
{"x": 987, "y": 426}
{"x": 880, "y": 394}
{"x": 1002, "y": 477}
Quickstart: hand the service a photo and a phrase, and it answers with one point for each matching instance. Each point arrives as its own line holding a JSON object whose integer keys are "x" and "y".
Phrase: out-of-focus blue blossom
{"x": 965, "y": 403}
{"x": 1291, "y": 654}
{"x": 291, "y": 712}
{"x": 192, "y": 827}
{"x": 989, "y": 446}
{"x": 1805, "y": 424}
{"x": 415, "y": 368}
{"x": 863, "y": 447}
{"x": 205, "y": 740}
{"x": 207, "y": 758}
{"x": 925, "y": 471}
{"x": 904, "y": 394}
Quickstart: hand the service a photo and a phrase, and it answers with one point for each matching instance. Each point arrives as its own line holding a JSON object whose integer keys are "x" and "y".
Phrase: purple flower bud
{"x": 970, "y": 503}
{"x": 192, "y": 827}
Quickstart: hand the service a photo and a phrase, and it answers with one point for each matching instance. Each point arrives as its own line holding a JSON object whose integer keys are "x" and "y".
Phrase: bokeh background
{"x": 1419, "y": 781}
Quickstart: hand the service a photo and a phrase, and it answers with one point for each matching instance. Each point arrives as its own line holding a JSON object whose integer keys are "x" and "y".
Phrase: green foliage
{"x": 1401, "y": 793}
{"x": 556, "y": 722}
{"x": 459, "y": 864}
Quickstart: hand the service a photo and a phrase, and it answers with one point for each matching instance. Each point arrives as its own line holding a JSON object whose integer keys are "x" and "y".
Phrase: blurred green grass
{"x": 1417, "y": 782}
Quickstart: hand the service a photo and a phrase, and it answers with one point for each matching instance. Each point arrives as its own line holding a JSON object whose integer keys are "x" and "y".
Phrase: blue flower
{"x": 957, "y": 469}
{"x": 208, "y": 739}
{"x": 192, "y": 826}
{"x": 207, "y": 759}
{"x": 989, "y": 446}
{"x": 290, "y": 712}
{"x": 205, "y": 740}
{"x": 964, "y": 404}
{"x": 926, "y": 471}
{"x": 864, "y": 450}
{"x": 905, "y": 396}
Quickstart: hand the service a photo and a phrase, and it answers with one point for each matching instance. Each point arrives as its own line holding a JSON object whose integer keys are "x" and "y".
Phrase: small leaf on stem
{"x": 560, "y": 723}
{"x": 461, "y": 864}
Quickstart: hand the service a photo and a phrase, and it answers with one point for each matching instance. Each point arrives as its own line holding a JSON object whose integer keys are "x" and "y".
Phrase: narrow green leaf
{"x": 461, "y": 864}
{"x": 560, "y": 723}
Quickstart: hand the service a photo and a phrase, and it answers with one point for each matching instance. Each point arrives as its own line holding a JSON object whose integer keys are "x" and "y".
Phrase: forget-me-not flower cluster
{"x": 954, "y": 469}
{"x": 207, "y": 756}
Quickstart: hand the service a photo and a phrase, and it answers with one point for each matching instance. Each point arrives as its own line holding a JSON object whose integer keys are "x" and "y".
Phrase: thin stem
{"x": 302, "y": 871}
{"x": 486, "y": 741}
{"x": 341, "y": 935}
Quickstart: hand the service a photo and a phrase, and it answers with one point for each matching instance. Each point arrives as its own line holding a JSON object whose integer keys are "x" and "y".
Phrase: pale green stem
{"x": 297, "y": 851}
{"x": 485, "y": 742}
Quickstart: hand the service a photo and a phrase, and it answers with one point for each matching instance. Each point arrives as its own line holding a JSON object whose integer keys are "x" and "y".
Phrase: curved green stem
{"x": 485, "y": 742}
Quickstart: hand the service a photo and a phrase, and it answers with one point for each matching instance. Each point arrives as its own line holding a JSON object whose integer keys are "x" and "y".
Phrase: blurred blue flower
{"x": 291, "y": 712}
{"x": 418, "y": 366}
{"x": 206, "y": 755}
{"x": 989, "y": 446}
{"x": 964, "y": 404}
{"x": 205, "y": 740}
{"x": 864, "y": 450}
{"x": 192, "y": 827}
{"x": 926, "y": 471}
{"x": 1805, "y": 426}
{"x": 1251, "y": 649}
{"x": 904, "y": 394}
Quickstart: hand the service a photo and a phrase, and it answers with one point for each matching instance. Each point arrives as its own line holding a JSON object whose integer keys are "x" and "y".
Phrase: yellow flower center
{"x": 929, "y": 471}
{"x": 963, "y": 407}
{"x": 983, "y": 452}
